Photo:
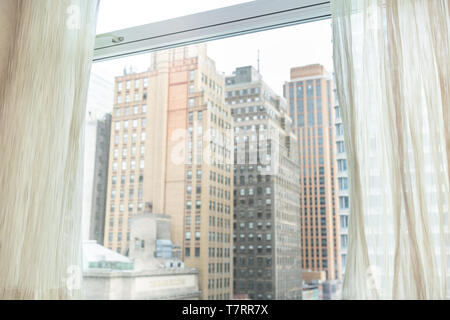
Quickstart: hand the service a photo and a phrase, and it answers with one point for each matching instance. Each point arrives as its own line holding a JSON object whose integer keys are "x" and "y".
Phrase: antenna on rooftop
{"x": 258, "y": 60}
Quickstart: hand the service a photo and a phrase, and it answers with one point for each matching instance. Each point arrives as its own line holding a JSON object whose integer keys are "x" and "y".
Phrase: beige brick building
{"x": 166, "y": 157}
{"x": 311, "y": 105}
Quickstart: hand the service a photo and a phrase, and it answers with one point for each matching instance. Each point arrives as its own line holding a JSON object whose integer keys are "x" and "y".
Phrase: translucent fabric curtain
{"x": 46, "y": 51}
{"x": 391, "y": 62}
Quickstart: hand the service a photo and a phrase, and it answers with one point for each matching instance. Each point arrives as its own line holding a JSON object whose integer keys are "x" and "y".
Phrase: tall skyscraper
{"x": 167, "y": 157}
{"x": 311, "y": 105}
{"x": 267, "y": 261}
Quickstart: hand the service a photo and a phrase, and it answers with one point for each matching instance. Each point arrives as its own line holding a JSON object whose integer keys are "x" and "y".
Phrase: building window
{"x": 343, "y": 202}
{"x": 343, "y": 183}
{"x": 340, "y": 146}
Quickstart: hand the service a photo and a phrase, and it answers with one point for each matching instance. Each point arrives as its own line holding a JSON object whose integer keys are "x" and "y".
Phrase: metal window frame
{"x": 215, "y": 24}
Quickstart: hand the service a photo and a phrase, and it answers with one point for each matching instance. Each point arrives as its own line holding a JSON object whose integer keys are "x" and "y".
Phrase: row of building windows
{"x": 242, "y": 92}
{"x": 125, "y": 151}
{"x": 133, "y": 138}
{"x": 251, "y": 202}
{"x": 247, "y": 110}
{"x": 322, "y": 241}
{"x": 218, "y": 252}
{"x": 250, "y": 237}
{"x": 217, "y": 177}
{"x": 305, "y": 252}
{"x": 219, "y": 283}
{"x": 131, "y": 180}
{"x": 211, "y": 83}
{"x": 306, "y": 264}
{"x": 122, "y": 193}
{"x": 323, "y": 231}
{"x": 137, "y": 84}
{"x": 315, "y": 188}
{"x": 313, "y": 221}
{"x": 130, "y": 205}
{"x": 250, "y": 180}
{"x": 137, "y": 97}
{"x": 221, "y": 222}
{"x": 220, "y": 193}
{"x": 309, "y": 88}
{"x": 250, "y": 191}
{"x": 134, "y": 124}
{"x": 132, "y": 165}
{"x": 250, "y": 214}
{"x": 135, "y": 109}
{"x": 219, "y": 267}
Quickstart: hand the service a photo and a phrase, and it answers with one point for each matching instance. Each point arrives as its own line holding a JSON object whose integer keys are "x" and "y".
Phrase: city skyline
{"x": 131, "y": 75}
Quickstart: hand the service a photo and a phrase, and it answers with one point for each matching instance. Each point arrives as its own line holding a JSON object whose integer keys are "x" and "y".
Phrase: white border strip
{"x": 209, "y": 25}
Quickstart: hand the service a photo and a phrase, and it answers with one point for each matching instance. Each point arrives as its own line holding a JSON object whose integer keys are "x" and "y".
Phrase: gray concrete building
{"x": 267, "y": 260}
{"x": 97, "y": 137}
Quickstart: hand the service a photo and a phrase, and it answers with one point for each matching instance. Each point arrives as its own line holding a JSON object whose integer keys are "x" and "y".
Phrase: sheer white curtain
{"x": 391, "y": 62}
{"x": 45, "y": 58}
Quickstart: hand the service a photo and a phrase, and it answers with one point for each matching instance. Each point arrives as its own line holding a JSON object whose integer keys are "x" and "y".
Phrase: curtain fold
{"x": 46, "y": 55}
{"x": 391, "y": 61}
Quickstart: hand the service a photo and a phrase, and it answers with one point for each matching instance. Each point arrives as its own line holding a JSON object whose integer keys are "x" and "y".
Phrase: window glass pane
{"x": 185, "y": 108}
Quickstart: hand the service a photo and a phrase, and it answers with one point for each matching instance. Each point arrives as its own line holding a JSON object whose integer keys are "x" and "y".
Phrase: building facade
{"x": 167, "y": 157}
{"x": 267, "y": 262}
{"x": 343, "y": 191}
{"x": 311, "y": 105}
{"x": 97, "y": 138}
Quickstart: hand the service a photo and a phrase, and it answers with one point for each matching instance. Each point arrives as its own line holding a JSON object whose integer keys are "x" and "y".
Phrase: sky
{"x": 279, "y": 49}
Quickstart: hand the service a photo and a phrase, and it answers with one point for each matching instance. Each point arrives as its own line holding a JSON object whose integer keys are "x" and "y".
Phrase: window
{"x": 340, "y": 146}
{"x": 343, "y": 202}
{"x": 343, "y": 184}
{"x": 342, "y": 165}
{"x": 202, "y": 95}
